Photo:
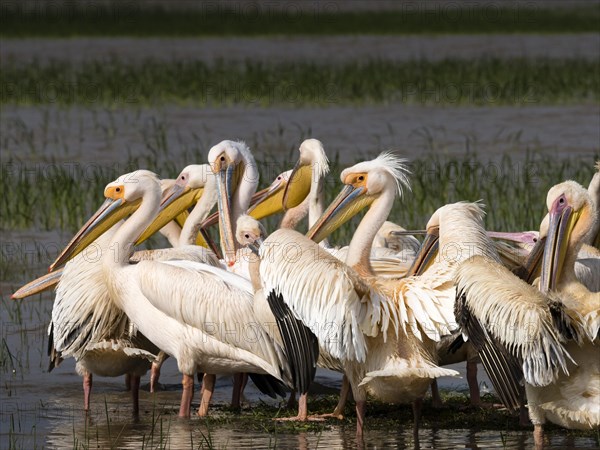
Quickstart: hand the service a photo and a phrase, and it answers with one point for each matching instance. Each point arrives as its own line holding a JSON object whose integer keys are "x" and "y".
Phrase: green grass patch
{"x": 249, "y": 19}
{"x": 514, "y": 191}
{"x": 485, "y": 82}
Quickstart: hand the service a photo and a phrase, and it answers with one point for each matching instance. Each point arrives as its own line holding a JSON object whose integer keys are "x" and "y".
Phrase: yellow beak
{"x": 174, "y": 205}
{"x": 349, "y": 202}
{"x": 107, "y": 215}
{"x": 562, "y": 221}
{"x": 298, "y": 186}
{"x": 38, "y": 285}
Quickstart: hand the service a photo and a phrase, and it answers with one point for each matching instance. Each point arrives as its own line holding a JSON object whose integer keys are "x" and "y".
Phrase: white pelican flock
{"x": 386, "y": 311}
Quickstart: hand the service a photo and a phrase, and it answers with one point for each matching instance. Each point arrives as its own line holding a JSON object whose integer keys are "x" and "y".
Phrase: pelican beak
{"x": 175, "y": 202}
{"x": 531, "y": 268}
{"x": 523, "y": 237}
{"x": 298, "y": 185}
{"x": 268, "y": 201}
{"x": 350, "y": 201}
{"x": 38, "y": 285}
{"x": 427, "y": 253}
{"x": 562, "y": 221}
{"x": 225, "y": 188}
{"x": 111, "y": 211}
{"x": 255, "y": 247}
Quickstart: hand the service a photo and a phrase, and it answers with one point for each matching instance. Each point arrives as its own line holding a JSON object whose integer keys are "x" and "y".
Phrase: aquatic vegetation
{"x": 260, "y": 19}
{"x": 71, "y": 193}
{"x": 484, "y": 82}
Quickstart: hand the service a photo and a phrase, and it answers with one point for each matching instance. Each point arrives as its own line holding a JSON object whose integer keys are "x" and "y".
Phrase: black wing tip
{"x": 268, "y": 385}
{"x": 300, "y": 344}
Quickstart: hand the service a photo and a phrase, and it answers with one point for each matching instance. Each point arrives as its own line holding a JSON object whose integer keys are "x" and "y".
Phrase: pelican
{"x": 86, "y": 325}
{"x": 355, "y": 317}
{"x": 187, "y": 309}
{"x": 548, "y": 337}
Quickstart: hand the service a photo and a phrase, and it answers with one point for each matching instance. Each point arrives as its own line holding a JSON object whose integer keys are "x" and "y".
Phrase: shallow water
{"x": 99, "y": 136}
{"x": 300, "y": 48}
{"x": 41, "y": 409}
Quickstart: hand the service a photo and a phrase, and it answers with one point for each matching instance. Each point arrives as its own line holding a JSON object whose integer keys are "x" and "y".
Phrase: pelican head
{"x": 250, "y": 232}
{"x": 123, "y": 196}
{"x": 312, "y": 165}
{"x": 180, "y": 195}
{"x": 364, "y": 183}
{"x": 233, "y": 164}
{"x": 571, "y": 215}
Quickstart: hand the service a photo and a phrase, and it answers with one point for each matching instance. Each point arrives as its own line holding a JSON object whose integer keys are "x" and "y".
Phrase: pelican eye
{"x": 118, "y": 189}
{"x": 222, "y": 158}
{"x": 361, "y": 178}
{"x": 561, "y": 200}
{"x": 247, "y": 236}
{"x": 279, "y": 178}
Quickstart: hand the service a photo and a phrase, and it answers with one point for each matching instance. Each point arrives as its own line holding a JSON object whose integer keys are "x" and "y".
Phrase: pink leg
{"x": 473, "y": 383}
{"x": 208, "y": 386}
{"x": 186, "y": 396}
{"x": 338, "y": 412}
{"x": 302, "y": 412}
{"x": 417, "y": 408}
{"x": 239, "y": 382}
{"x": 154, "y": 376}
{"x": 436, "y": 400}
{"x": 135, "y": 393}
{"x": 361, "y": 407}
{"x": 538, "y": 436}
{"x": 87, "y": 390}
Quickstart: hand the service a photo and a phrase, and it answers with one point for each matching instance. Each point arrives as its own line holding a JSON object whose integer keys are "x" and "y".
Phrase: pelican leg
{"x": 538, "y": 436}
{"x": 154, "y": 376}
{"x": 436, "y": 399}
{"x": 155, "y": 370}
{"x": 361, "y": 407}
{"x": 473, "y": 383}
{"x": 87, "y": 390}
{"x": 292, "y": 403}
{"x": 239, "y": 382}
{"x": 208, "y": 386}
{"x": 186, "y": 396}
{"x": 302, "y": 412}
{"x": 417, "y": 410}
{"x": 128, "y": 381}
{"x": 338, "y": 412}
{"x": 135, "y": 393}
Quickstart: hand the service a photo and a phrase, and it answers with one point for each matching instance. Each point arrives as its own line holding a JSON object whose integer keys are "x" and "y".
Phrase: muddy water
{"x": 101, "y": 136}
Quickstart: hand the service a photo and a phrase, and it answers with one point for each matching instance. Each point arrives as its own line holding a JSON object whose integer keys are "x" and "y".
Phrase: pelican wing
{"x": 427, "y": 304}
{"x": 325, "y": 294}
{"x": 83, "y": 312}
{"x": 212, "y": 300}
{"x": 300, "y": 344}
{"x": 512, "y": 322}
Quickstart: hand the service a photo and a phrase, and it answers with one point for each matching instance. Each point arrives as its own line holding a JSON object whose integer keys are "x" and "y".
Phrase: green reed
{"x": 483, "y": 82}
